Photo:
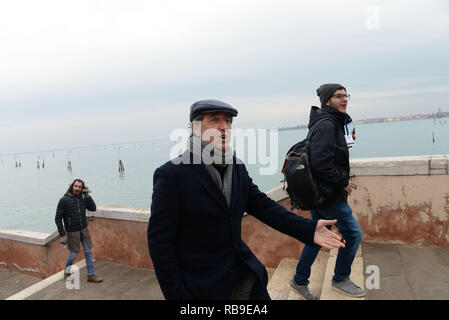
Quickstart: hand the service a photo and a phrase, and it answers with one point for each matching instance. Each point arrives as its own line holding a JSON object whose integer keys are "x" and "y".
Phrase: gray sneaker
{"x": 348, "y": 288}
{"x": 303, "y": 290}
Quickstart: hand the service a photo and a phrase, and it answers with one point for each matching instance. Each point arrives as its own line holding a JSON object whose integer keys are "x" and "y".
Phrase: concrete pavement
{"x": 12, "y": 282}
{"x": 408, "y": 272}
{"x": 121, "y": 282}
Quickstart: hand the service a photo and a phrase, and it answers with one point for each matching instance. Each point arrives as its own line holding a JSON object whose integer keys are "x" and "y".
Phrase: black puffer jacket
{"x": 329, "y": 155}
{"x": 72, "y": 210}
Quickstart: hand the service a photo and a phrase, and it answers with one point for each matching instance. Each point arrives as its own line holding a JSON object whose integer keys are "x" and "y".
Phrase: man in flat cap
{"x": 329, "y": 163}
{"x": 198, "y": 201}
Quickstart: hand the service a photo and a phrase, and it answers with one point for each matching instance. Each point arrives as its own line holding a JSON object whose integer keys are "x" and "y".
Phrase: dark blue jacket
{"x": 72, "y": 210}
{"x": 194, "y": 236}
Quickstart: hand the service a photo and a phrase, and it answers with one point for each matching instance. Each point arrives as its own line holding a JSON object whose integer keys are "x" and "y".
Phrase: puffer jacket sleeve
{"x": 90, "y": 204}
{"x": 60, "y": 212}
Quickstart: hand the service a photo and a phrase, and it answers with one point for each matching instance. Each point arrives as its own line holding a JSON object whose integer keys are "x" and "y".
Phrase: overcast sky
{"x": 86, "y": 72}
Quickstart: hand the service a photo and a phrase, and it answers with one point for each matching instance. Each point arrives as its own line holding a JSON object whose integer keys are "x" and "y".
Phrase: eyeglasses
{"x": 341, "y": 96}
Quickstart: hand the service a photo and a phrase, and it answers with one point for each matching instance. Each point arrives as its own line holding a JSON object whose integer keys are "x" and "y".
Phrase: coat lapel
{"x": 201, "y": 174}
{"x": 235, "y": 187}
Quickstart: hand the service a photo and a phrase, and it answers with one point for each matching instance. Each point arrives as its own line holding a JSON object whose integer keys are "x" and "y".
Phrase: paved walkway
{"x": 121, "y": 282}
{"x": 12, "y": 282}
{"x": 408, "y": 272}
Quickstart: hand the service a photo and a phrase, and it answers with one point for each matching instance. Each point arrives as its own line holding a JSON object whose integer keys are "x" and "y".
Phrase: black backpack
{"x": 301, "y": 186}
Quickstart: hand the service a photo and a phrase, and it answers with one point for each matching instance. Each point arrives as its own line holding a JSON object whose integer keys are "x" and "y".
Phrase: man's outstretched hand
{"x": 326, "y": 238}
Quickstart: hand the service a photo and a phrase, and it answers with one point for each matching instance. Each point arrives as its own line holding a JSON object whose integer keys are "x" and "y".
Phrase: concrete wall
{"x": 402, "y": 200}
{"x": 398, "y": 200}
{"x": 33, "y": 253}
{"x": 120, "y": 235}
{"x": 269, "y": 245}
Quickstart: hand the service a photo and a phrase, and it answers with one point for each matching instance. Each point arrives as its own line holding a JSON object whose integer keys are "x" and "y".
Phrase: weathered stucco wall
{"x": 398, "y": 200}
{"x": 402, "y": 199}
{"x": 269, "y": 245}
{"x": 120, "y": 235}
{"x": 405, "y": 209}
{"x": 120, "y": 241}
{"x": 36, "y": 257}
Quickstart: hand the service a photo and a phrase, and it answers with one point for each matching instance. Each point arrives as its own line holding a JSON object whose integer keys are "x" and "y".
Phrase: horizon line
{"x": 162, "y": 139}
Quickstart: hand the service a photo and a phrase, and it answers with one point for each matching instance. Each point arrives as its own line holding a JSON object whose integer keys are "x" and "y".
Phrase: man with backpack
{"x": 329, "y": 164}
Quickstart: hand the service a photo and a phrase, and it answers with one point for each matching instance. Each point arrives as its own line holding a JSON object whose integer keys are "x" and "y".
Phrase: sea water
{"x": 29, "y": 196}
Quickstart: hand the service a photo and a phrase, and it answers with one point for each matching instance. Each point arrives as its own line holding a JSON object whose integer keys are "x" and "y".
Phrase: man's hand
{"x": 326, "y": 238}
{"x": 63, "y": 240}
{"x": 86, "y": 191}
{"x": 350, "y": 186}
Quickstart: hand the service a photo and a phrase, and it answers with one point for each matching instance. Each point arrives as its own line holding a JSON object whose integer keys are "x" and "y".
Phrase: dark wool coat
{"x": 194, "y": 237}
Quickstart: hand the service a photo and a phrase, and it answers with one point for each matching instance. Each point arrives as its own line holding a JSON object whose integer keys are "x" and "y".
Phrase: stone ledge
{"x": 121, "y": 213}
{"x": 400, "y": 166}
{"x": 142, "y": 215}
{"x": 278, "y": 193}
{"x": 31, "y": 237}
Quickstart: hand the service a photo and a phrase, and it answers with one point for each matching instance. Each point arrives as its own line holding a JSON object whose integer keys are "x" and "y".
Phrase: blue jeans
{"x": 87, "y": 256}
{"x": 348, "y": 227}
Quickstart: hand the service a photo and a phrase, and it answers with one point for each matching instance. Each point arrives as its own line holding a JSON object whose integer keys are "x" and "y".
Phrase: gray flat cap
{"x": 209, "y": 106}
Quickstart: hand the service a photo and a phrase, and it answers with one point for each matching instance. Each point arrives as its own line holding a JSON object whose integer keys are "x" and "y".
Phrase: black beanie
{"x": 326, "y": 90}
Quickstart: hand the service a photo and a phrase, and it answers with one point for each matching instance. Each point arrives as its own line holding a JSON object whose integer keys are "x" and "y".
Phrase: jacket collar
{"x": 72, "y": 196}
{"x": 338, "y": 116}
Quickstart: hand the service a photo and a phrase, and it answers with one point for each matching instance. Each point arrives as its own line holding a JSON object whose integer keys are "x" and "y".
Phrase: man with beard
{"x": 198, "y": 201}
{"x": 72, "y": 210}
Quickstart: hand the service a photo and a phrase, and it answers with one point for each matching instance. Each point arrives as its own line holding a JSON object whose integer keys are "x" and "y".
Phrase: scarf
{"x": 205, "y": 153}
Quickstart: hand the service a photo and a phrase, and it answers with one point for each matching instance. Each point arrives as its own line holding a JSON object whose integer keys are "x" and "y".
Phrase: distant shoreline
{"x": 437, "y": 115}
{"x": 81, "y": 147}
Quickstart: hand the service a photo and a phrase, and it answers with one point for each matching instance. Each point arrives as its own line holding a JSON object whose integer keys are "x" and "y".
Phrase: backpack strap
{"x": 316, "y": 126}
{"x": 310, "y": 131}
